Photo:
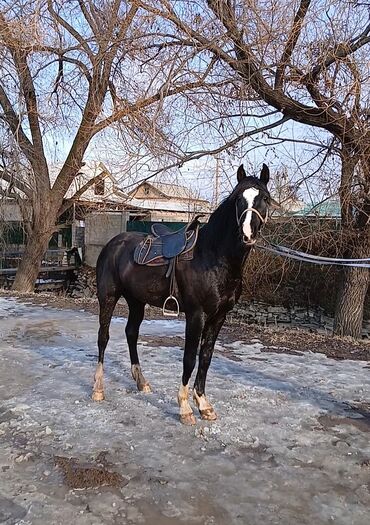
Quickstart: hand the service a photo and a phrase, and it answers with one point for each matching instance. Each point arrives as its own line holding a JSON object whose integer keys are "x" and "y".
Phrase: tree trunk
{"x": 356, "y": 235}
{"x": 44, "y": 220}
{"x": 28, "y": 269}
{"x": 353, "y": 286}
{"x": 350, "y": 305}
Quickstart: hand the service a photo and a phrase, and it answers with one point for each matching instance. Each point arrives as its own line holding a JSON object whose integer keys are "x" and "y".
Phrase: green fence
{"x": 11, "y": 233}
{"x": 145, "y": 226}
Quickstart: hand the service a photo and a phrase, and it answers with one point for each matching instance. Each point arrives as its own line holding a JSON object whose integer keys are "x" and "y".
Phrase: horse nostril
{"x": 249, "y": 240}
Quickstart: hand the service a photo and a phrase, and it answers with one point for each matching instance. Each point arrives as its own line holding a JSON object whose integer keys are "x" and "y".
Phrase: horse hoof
{"x": 146, "y": 388}
{"x": 208, "y": 415}
{"x": 98, "y": 396}
{"x": 188, "y": 419}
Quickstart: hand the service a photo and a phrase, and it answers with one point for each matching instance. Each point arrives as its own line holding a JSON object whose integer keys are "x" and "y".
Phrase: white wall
{"x": 99, "y": 229}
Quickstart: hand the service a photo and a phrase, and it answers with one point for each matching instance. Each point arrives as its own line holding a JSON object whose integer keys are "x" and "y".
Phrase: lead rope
{"x": 283, "y": 251}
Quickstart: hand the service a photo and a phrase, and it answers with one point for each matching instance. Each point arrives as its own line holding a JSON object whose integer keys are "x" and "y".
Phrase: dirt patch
{"x": 88, "y": 475}
{"x": 362, "y": 424}
{"x": 283, "y": 340}
{"x": 162, "y": 340}
{"x": 297, "y": 340}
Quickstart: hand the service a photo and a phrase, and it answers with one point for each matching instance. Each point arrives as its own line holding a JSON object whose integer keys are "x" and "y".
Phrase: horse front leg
{"x": 211, "y": 330}
{"x": 193, "y": 331}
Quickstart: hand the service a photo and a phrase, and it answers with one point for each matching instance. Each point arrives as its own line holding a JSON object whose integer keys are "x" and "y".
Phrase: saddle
{"x": 166, "y": 247}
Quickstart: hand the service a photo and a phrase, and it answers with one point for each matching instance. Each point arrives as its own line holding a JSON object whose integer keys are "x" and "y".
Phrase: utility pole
{"x": 216, "y": 192}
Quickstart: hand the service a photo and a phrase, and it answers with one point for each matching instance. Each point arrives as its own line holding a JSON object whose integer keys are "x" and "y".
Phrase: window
{"x": 99, "y": 187}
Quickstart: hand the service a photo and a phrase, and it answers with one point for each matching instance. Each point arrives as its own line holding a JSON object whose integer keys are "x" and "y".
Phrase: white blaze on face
{"x": 249, "y": 195}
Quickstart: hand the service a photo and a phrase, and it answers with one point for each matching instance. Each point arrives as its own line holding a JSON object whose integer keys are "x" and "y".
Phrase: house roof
{"x": 184, "y": 206}
{"x": 168, "y": 197}
{"x": 174, "y": 190}
{"x": 170, "y": 191}
{"x": 88, "y": 171}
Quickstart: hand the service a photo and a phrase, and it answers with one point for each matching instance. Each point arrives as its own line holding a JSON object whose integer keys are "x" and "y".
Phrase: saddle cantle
{"x": 165, "y": 247}
{"x": 164, "y": 244}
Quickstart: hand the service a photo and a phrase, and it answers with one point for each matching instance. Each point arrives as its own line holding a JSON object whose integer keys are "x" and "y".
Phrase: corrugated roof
{"x": 170, "y": 205}
{"x": 329, "y": 208}
{"x": 172, "y": 191}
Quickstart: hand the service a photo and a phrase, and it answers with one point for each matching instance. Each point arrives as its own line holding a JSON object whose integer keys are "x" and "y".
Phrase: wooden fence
{"x": 56, "y": 271}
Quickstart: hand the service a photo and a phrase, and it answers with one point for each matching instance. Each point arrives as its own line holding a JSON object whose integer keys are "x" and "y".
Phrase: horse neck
{"x": 221, "y": 236}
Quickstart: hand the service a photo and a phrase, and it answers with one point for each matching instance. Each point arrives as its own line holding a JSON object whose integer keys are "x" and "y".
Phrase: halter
{"x": 239, "y": 219}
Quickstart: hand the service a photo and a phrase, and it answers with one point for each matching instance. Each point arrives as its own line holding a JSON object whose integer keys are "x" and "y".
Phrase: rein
{"x": 296, "y": 255}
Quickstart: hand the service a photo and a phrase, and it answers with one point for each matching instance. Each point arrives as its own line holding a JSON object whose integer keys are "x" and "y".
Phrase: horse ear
{"x": 241, "y": 173}
{"x": 265, "y": 174}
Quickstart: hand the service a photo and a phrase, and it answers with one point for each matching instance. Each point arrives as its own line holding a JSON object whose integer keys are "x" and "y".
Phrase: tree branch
{"x": 246, "y": 66}
{"x": 341, "y": 51}
{"x": 12, "y": 119}
{"x": 19, "y": 55}
{"x": 71, "y": 30}
{"x": 291, "y": 42}
{"x": 12, "y": 179}
{"x": 195, "y": 155}
{"x": 69, "y": 202}
{"x": 144, "y": 103}
{"x": 89, "y": 19}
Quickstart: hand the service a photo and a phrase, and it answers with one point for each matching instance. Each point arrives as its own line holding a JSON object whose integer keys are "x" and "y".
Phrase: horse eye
{"x": 265, "y": 198}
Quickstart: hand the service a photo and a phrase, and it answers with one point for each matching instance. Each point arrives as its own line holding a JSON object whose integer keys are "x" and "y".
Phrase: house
{"x": 166, "y": 202}
{"x": 93, "y": 189}
{"x": 146, "y": 203}
{"x": 94, "y": 185}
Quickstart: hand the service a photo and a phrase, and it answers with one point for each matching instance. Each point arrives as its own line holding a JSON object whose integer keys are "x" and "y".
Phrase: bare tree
{"x": 309, "y": 60}
{"x": 73, "y": 68}
{"x": 184, "y": 80}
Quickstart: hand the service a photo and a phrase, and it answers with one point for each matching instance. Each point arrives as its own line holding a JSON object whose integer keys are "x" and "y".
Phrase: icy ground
{"x": 291, "y": 445}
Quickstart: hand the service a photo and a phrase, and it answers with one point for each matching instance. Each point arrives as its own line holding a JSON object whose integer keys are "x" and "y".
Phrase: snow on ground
{"x": 291, "y": 445}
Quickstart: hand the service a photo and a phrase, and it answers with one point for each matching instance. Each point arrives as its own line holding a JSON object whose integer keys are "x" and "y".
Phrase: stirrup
{"x": 170, "y": 313}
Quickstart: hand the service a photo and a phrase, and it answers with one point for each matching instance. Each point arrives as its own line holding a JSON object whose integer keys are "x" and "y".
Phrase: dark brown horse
{"x": 208, "y": 286}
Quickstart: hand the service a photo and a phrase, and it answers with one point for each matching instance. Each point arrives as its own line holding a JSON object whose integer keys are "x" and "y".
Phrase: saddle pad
{"x": 159, "y": 229}
{"x": 150, "y": 250}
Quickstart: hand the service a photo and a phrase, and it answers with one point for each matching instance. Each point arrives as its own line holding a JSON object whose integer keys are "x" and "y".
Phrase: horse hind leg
{"x": 107, "y": 305}
{"x": 135, "y": 317}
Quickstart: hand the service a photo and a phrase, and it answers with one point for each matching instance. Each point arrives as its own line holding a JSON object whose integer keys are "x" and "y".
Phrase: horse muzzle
{"x": 249, "y": 242}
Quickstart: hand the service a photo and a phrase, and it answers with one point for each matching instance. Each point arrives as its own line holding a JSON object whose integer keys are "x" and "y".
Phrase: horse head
{"x": 252, "y": 202}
